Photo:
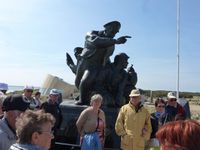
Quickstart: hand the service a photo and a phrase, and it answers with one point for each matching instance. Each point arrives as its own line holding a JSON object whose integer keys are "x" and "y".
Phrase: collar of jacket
{"x": 137, "y": 108}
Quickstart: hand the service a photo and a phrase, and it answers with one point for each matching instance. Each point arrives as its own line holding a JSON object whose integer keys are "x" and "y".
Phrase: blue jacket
{"x": 7, "y": 137}
{"x": 17, "y": 146}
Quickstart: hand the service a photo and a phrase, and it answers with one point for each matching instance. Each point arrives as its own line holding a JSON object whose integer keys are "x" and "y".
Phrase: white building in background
{"x": 53, "y": 82}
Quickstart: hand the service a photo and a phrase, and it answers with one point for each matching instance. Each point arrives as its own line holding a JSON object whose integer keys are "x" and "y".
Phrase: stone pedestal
{"x": 68, "y": 132}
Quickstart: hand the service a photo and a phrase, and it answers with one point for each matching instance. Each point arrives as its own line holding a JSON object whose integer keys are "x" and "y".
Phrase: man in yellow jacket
{"x": 133, "y": 123}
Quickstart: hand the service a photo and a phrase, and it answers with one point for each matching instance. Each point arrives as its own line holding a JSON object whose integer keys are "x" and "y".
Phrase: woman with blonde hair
{"x": 91, "y": 125}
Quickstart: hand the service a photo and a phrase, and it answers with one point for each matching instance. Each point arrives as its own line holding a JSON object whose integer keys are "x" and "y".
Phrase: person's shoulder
{"x": 5, "y": 130}
{"x": 125, "y": 107}
{"x": 144, "y": 109}
{"x": 101, "y": 111}
{"x": 45, "y": 103}
{"x": 87, "y": 110}
{"x": 179, "y": 105}
{"x": 3, "y": 133}
{"x": 17, "y": 146}
{"x": 3, "y": 125}
{"x": 153, "y": 114}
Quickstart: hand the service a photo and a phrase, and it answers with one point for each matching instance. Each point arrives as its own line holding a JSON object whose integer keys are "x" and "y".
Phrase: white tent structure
{"x": 53, "y": 82}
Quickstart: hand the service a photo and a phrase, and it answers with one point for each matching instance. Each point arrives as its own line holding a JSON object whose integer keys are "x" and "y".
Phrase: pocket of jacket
{"x": 141, "y": 142}
{"x": 125, "y": 140}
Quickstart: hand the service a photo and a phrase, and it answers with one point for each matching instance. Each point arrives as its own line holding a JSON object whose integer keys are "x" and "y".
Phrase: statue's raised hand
{"x": 122, "y": 39}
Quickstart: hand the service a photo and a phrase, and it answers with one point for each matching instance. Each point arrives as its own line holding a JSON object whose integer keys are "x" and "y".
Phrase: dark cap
{"x": 123, "y": 55}
{"x": 120, "y": 57}
{"x": 113, "y": 23}
{"x": 15, "y": 102}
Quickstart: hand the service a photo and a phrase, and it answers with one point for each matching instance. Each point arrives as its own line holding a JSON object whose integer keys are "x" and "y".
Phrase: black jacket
{"x": 157, "y": 122}
{"x": 55, "y": 110}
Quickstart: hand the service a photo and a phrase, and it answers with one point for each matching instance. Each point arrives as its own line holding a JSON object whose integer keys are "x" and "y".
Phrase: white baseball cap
{"x": 54, "y": 92}
{"x": 28, "y": 87}
{"x": 171, "y": 95}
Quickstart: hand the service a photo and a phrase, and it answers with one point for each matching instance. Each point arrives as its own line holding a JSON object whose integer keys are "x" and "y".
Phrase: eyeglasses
{"x": 161, "y": 106}
{"x": 172, "y": 99}
{"x": 50, "y": 132}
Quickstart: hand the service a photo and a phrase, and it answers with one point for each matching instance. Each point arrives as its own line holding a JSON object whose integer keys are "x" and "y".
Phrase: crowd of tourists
{"x": 28, "y": 124}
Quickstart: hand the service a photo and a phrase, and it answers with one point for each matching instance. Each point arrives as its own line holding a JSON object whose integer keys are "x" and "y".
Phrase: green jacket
{"x": 133, "y": 126}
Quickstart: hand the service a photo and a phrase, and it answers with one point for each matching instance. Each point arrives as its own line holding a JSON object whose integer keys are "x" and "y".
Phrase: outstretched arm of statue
{"x": 122, "y": 39}
{"x": 99, "y": 41}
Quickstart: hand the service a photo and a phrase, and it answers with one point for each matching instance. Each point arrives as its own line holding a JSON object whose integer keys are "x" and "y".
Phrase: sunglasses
{"x": 161, "y": 106}
{"x": 172, "y": 100}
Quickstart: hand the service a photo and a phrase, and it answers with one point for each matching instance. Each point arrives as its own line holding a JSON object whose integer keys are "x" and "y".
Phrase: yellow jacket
{"x": 133, "y": 127}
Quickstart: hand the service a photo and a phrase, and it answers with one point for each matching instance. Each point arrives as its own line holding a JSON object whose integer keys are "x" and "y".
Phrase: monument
{"x": 95, "y": 73}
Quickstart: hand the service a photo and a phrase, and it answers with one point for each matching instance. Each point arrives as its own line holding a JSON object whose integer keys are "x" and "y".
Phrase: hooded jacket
{"x": 134, "y": 127}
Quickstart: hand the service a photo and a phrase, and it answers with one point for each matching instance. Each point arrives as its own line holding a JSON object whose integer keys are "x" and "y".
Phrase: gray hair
{"x": 31, "y": 121}
{"x": 96, "y": 97}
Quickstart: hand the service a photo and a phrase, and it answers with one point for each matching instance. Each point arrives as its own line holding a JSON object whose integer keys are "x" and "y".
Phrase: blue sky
{"x": 36, "y": 34}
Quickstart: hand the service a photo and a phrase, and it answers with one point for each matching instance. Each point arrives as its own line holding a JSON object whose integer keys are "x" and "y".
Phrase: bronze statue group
{"x": 94, "y": 71}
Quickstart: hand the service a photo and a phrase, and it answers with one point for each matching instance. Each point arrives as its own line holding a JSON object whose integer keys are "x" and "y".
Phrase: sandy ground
{"x": 195, "y": 107}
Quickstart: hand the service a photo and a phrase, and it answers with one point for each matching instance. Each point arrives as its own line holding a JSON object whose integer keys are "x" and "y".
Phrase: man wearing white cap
{"x": 174, "y": 108}
{"x": 52, "y": 106}
{"x": 28, "y": 91}
{"x": 133, "y": 123}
